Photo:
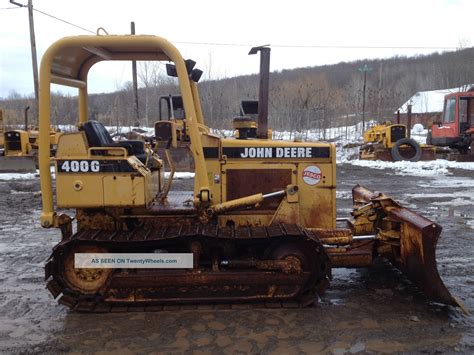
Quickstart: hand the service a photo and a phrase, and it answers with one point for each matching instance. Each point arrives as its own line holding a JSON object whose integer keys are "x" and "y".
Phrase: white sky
{"x": 401, "y": 23}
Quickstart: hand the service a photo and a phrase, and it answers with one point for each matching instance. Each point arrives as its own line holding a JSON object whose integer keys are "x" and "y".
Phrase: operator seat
{"x": 98, "y": 136}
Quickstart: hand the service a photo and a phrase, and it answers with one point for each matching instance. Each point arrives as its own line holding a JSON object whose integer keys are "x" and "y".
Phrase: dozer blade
{"x": 22, "y": 164}
{"x": 416, "y": 255}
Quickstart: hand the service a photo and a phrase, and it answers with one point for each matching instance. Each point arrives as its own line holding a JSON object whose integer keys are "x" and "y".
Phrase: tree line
{"x": 300, "y": 99}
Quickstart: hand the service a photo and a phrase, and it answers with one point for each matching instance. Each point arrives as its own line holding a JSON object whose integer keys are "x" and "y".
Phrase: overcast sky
{"x": 428, "y": 24}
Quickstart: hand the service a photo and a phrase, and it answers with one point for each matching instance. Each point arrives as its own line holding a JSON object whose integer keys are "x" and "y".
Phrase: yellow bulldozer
{"x": 258, "y": 227}
{"x": 17, "y": 155}
{"x": 390, "y": 142}
{"x": 171, "y": 115}
{"x": 20, "y": 147}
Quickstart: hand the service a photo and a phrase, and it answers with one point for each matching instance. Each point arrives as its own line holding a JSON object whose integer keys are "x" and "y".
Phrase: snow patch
{"x": 18, "y": 176}
{"x": 452, "y": 182}
{"x": 18, "y": 192}
{"x": 181, "y": 175}
{"x": 419, "y": 168}
{"x": 458, "y": 201}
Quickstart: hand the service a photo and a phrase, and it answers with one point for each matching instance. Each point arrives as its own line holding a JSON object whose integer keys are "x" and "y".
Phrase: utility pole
{"x": 364, "y": 70}
{"x": 135, "y": 81}
{"x": 379, "y": 94}
{"x": 34, "y": 59}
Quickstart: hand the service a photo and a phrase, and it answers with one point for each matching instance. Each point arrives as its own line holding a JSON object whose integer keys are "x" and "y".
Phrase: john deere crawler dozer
{"x": 260, "y": 224}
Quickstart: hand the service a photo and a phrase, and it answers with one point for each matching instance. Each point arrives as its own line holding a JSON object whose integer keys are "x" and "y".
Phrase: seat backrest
{"x": 97, "y": 135}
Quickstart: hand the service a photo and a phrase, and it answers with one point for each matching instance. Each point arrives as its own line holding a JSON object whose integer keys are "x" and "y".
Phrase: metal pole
{"x": 135, "y": 81}
{"x": 364, "y": 69}
{"x": 363, "y": 102}
{"x": 274, "y": 194}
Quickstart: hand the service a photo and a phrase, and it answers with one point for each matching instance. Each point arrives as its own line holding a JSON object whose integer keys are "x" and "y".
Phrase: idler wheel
{"x": 85, "y": 280}
{"x": 294, "y": 253}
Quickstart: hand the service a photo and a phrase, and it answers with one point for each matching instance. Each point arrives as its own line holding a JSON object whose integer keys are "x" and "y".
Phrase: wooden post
{"x": 135, "y": 81}
{"x": 34, "y": 59}
{"x": 409, "y": 121}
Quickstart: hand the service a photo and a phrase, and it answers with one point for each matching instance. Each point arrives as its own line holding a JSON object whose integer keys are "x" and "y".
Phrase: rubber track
{"x": 141, "y": 237}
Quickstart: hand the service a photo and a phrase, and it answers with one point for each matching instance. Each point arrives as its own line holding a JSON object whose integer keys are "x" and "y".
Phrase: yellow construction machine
{"x": 18, "y": 156}
{"x": 20, "y": 147}
{"x": 390, "y": 142}
{"x": 171, "y": 115}
{"x": 259, "y": 226}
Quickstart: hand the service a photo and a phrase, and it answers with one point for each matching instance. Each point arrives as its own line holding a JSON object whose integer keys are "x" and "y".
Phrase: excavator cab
{"x": 259, "y": 225}
{"x": 456, "y": 128}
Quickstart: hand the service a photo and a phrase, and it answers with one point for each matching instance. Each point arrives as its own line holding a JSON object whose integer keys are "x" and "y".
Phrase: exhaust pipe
{"x": 262, "y": 128}
{"x": 26, "y": 118}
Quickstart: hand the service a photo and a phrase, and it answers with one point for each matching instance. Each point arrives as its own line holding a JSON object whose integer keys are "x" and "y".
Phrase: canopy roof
{"x": 72, "y": 57}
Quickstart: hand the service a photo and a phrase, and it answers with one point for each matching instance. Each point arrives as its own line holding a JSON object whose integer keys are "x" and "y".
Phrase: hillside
{"x": 303, "y": 98}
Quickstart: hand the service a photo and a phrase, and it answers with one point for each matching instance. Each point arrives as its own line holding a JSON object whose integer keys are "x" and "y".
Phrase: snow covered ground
{"x": 18, "y": 176}
{"x": 420, "y": 168}
{"x": 346, "y": 139}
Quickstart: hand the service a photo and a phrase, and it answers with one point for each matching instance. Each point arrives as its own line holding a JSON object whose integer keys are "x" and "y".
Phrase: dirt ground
{"x": 368, "y": 311}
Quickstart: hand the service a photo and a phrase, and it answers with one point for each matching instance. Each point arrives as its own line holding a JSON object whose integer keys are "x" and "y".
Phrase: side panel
{"x": 244, "y": 179}
{"x": 444, "y": 131}
{"x": 72, "y": 144}
{"x": 248, "y": 178}
{"x": 73, "y": 190}
{"x": 262, "y": 167}
{"x": 317, "y": 195}
{"x": 246, "y": 182}
{"x": 124, "y": 190}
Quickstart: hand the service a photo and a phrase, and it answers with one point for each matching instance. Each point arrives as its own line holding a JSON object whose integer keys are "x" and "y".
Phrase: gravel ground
{"x": 367, "y": 311}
